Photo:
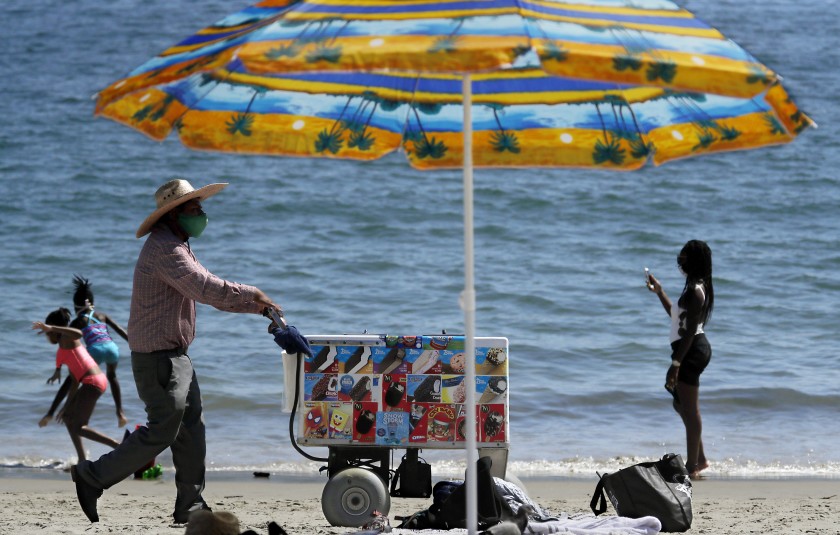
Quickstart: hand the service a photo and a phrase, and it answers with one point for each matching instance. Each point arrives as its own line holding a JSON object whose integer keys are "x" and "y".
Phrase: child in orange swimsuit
{"x": 85, "y": 383}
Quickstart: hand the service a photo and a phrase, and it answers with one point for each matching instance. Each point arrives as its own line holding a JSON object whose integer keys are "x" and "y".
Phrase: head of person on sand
{"x": 206, "y": 522}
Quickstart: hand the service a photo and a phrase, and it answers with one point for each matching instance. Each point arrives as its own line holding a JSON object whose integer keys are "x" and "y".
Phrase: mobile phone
{"x": 647, "y": 277}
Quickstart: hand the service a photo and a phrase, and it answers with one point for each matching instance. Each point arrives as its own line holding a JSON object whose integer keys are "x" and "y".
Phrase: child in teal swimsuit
{"x": 94, "y": 326}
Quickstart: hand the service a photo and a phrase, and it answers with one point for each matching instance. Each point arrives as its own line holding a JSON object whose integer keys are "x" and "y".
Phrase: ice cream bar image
{"x": 427, "y": 390}
{"x": 496, "y": 386}
{"x": 319, "y": 391}
{"x": 439, "y": 342}
{"x": 493, "y": 424}
{"x": 393, "y": 359}
{"x": 350, "y": 362}
{"x": 360, "y": 389}
{"x": 417, "y": 412}
{"x": 496, "y": 356}
{"x": 425, "y": 361}
{"x": 365, "y": 422}
{"x": 459, "y": 394}
{"x": 320, "y": 361}
{"x": 394, "y": 394}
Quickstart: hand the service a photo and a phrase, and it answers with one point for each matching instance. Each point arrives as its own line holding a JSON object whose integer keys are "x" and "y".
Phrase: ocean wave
{"x": 453, "y": 466}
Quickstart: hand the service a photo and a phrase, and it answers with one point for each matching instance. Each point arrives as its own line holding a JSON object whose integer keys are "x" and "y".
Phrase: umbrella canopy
{"x": 572, "y": 84}
{"x": 521, "y": 117}
{"x": 577, "y": 83}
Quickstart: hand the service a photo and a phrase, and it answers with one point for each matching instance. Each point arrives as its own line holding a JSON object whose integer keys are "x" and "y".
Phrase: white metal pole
{"x": 468, "y": 305}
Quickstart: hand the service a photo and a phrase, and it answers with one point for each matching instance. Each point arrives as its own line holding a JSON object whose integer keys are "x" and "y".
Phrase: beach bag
{"x": 661, "y": 489}
{"x": 412, "y": 479}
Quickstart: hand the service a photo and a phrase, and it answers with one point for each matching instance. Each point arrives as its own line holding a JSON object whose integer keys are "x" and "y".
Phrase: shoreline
{"x": 7, "y": 472}
{"x": 47, "y": 503}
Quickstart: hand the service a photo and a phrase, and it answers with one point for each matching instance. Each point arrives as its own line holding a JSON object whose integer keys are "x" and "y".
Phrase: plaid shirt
{"x": 168, "y": 280}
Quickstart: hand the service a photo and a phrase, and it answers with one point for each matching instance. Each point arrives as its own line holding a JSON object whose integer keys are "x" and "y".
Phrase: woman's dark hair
{"x": 696, "y": 262}
{"x": 83, "y": 291}
{"x": 59, "y": 318}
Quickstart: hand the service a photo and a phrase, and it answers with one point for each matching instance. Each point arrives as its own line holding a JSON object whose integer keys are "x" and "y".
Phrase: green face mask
{"x": 193, "y": 225}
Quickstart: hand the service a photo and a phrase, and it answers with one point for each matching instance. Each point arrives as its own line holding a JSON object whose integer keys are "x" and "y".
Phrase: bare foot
{"x": 123, "y": 421}
{"x": 694, "y": 472}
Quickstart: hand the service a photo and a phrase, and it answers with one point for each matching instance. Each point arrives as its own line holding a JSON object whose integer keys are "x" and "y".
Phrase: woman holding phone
{"x": 691, "y": 351}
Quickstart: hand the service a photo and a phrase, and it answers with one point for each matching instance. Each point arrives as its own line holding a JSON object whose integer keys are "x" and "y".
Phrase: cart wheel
{"x": 351, "y": 496}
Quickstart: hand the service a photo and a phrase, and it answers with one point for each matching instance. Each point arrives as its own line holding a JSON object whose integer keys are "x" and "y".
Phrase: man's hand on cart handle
{"x": 276, "y": 316}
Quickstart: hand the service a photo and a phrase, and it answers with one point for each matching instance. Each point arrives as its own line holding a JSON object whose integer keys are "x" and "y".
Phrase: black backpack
{"x": 449, "y": 510}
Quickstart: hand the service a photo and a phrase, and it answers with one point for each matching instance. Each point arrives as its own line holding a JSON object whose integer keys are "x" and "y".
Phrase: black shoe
{"x": 87, "y": 494}
{"x": 185, "y": 519}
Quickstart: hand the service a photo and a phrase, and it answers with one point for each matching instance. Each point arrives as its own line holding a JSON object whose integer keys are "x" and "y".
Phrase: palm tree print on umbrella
{"x": 774, "y": 124}
{"x": 424, "y": 146}
{"x": 800, "y": 120}
{"x": 449, "y": 43}
{"x": 553, "y": 51}
{"x": 758, "y": 76}
{"x": 627, "y": 61}
{"x": 664, "y": 70}
{"x": 324, "y": 48}
{"x": 330, "y": 140}
{"x": 709, "y": 130}
{"x": 634, "y": 47}
{"x": 241, "y": 123}
{"x": 609, "y": 150}
{"x": 639, "y": 148}
{"x": 155, "y": 111}
{"x": 502, "y": 140}
{"x": 360, "y": 137}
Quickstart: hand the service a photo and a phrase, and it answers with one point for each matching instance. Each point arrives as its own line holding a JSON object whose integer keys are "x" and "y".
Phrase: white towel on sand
{"x": 588, "y": 524}
{"x": 585, "y": 524}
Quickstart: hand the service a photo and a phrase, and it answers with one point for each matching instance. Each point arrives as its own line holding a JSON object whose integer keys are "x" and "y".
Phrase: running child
{"x": 87, "y": 384}
{"x": 94, "y": 326}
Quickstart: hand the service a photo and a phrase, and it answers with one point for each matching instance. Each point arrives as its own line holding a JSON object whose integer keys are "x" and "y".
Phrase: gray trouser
{"x": 167, "y": 384}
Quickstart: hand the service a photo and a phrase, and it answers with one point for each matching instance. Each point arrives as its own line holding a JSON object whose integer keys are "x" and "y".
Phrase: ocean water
{"x": 350, "y": 248}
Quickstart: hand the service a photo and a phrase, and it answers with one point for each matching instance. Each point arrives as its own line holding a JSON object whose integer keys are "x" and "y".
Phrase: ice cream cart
{"x": 364, "y": 396}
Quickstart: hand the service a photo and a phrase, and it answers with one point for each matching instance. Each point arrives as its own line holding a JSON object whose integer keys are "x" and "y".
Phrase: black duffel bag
{"x": 661, "y": 489}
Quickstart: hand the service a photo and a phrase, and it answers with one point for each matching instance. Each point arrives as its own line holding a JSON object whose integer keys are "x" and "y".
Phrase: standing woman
{"x": 691, "y": 351}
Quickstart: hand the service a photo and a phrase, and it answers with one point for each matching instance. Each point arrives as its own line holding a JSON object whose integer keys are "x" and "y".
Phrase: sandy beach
{"x": 47, "y": 503}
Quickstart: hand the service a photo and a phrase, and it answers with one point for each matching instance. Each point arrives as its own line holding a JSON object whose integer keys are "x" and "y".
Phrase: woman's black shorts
{"x": 695, "y": 361}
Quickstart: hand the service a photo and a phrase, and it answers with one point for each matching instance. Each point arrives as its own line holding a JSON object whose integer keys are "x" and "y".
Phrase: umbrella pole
{"x": 468, "y": 305}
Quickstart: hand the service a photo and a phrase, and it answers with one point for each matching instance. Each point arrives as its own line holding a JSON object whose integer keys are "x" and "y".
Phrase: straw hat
{"x": 175, "y": 193}
{"x": 206, "y": 522}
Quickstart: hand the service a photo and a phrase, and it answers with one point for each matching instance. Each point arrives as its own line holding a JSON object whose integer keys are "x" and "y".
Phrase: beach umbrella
{"x": 606, "y": 84}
